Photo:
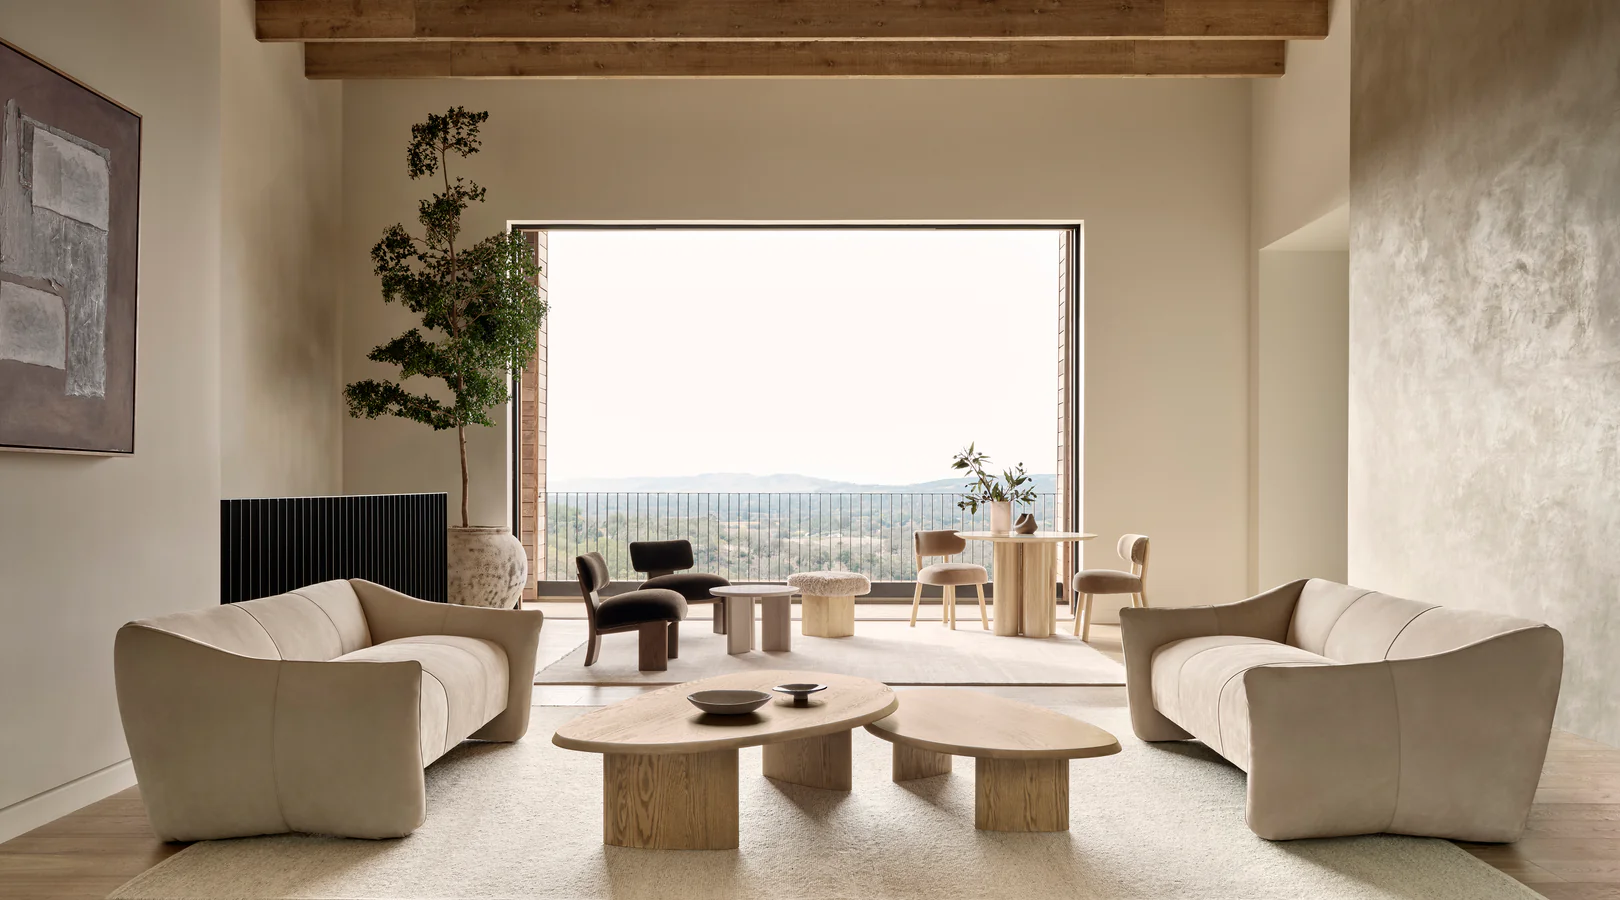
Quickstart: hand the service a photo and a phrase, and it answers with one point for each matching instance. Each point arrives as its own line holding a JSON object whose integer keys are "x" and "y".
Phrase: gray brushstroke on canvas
{"x": 54, "y": 210}
{"x": 33, "y": 326}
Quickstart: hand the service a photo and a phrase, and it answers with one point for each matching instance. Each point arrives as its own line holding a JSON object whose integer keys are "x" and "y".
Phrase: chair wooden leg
{"x": 984, "y": 615}
{"x": 1143, "y": 598}
{"x": 950, "y": 606}
{"x": 1085, "y": 632}
{"x": 654, "y": 641}
{"x": 593, "y": 648}
{"x": 1075, "y": 602}
{"x": 674, "y": 640}
{"x": 916, "y": 600}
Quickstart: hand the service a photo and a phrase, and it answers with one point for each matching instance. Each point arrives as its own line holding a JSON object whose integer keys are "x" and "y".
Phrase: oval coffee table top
{"x": 968, "y": 723}
{"x": 1039, "y": 537}
{"x": 664, "y": 721}
{"x": 755, "y": 590}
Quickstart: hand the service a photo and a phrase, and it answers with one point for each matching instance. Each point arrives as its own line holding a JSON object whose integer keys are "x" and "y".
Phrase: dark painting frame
{"x": 70, "y": 174}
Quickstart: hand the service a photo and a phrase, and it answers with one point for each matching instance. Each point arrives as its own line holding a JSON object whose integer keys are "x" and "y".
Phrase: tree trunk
{"x": 461, "y": 438}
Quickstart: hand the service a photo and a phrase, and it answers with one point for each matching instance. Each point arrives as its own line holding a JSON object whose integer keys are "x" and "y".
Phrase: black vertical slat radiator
{"x": 273, "y": 546}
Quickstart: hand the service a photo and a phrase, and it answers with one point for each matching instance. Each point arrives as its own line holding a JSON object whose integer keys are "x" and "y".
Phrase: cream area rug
{"x": 523, "y": 820}
{"x": 890, "y": 652}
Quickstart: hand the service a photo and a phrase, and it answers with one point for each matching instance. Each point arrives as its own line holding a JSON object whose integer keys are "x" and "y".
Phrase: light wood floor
{"x": 1570, "y": 852}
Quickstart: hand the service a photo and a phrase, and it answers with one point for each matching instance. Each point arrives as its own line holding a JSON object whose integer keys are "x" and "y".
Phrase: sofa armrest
{"x": 229, "y": 746}
{"x": 391, "y": 614}
{"x": 1449, "y": 745}
{"x": 1143, "y": 630}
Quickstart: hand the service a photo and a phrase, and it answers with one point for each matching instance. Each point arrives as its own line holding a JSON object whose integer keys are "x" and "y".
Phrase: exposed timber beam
{"x": 849, "y": 59}
{"x": 789, "y": 20}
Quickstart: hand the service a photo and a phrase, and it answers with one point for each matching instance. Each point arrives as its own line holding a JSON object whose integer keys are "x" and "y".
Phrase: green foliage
{"x": 479, "y": 306}
{"x": 1014, "y": 486}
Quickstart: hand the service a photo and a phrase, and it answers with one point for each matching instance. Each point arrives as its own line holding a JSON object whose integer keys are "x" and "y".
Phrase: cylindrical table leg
{"x": 819, "y": 762}
{"x": 1022, "y": 795}
{"x": 670, "y": 801}
{"x": 776, "y": 629}
{"x": 739, "y": 624}
{"x": 1009, "y": 589}
{"x": 1040, "y": 593}
{"x": 911, "y": 763}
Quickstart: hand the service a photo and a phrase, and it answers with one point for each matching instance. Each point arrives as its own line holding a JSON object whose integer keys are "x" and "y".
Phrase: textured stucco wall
{"x": 1485, "y": 318}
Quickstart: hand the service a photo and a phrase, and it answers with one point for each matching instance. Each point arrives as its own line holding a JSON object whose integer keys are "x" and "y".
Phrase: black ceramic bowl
{"x": 729, "y": 703}
{"x": 801, "y": 691}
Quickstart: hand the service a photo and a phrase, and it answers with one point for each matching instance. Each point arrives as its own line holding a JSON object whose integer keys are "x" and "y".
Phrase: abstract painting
{"x": 69, "y": 222}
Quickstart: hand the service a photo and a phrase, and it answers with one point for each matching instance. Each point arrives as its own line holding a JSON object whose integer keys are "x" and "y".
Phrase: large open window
{"x": 789, "y": 399}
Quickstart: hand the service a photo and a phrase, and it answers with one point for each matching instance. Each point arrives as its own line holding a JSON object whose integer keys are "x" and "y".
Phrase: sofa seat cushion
{"x": 464, "y": 683}
{"x": 636, "y": 607}
{"x": 1198, "y": 684}
{"x": 694, "y": 586}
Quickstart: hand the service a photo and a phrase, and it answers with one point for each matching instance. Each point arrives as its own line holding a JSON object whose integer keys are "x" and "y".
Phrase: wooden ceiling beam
{"x": 789, "y": 20}
{"x": 852, "y": 59}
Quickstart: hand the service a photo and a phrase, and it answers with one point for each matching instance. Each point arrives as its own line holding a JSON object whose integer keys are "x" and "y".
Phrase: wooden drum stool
{"x": 829, "y": 601}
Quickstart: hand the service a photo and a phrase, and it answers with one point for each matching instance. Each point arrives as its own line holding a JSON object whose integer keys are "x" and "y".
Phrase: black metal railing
{"x": 766, "y": 536}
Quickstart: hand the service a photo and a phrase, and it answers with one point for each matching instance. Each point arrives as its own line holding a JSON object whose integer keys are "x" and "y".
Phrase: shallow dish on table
{"x": 801, "y": 691}
{"x": 728, "y": 702}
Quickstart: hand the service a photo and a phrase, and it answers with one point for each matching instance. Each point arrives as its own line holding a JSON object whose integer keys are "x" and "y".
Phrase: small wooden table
{"x": 1025, "y": 573}
{"x": 777, "y": 616}
{"x": 669, "y": 772}
{"x": 1022, "y": 752}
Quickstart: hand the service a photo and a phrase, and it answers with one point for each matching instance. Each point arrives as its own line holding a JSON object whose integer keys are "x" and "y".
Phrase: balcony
{"x": 765, "y": 536}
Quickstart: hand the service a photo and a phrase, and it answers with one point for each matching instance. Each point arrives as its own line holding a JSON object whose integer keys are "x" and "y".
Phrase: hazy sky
{"x": 865, "y": 356}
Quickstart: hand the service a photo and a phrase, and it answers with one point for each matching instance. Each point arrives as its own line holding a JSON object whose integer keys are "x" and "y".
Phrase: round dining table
{"x": 1024, "y": 573}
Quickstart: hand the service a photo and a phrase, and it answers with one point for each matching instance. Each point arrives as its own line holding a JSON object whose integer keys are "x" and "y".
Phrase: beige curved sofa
{"x": 1354, "y": 712}
{"x": 314, "y": 711}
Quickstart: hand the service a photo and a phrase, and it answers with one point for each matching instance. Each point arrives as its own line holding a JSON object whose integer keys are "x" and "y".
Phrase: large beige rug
{"x": 523, "y": 820}
{"x": 890, "y": 652}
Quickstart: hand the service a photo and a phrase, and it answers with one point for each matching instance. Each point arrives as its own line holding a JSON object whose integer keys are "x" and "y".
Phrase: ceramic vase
{"x": 1001, "y": 516}
{"x": 486, "y": 566}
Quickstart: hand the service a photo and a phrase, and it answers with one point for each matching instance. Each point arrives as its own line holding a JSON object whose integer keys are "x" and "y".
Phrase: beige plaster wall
{"x": 281, "y": 409}
{"x": 1300, "y": 171}
{"x": 1485, "y": 319}
{"x": 88, "y": 543}
{"x": 1302, "y": 134}
{"x": 1303, "y": 414}
{"x": 1158, "y": 170}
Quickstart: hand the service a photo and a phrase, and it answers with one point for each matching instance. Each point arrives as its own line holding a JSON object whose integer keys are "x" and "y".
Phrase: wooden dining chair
{"x": 946, "y": 574}
{"x": 1133, "y": 548}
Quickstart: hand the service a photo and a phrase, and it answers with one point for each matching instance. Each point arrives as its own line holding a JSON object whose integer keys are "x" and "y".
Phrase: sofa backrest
{"x": 319, "y": 622}
{"x": 1352, "y": 625}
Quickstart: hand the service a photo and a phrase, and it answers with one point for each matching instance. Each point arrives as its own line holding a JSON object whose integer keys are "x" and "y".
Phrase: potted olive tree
{"x": 480, "y": 311}
{"x": 1014, "y": 486}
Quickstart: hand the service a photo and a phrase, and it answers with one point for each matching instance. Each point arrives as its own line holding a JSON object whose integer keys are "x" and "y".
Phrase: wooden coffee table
{"x": 777, "y": 615}
{"x": 669, "y": 772}
{"x": 1022, "y": 752}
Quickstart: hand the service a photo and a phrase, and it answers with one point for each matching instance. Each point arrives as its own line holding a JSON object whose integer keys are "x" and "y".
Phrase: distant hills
{"x": 739, "y": 482}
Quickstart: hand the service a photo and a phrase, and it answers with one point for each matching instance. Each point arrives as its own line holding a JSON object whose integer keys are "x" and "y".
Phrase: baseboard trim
{"x": 26, "y": 815}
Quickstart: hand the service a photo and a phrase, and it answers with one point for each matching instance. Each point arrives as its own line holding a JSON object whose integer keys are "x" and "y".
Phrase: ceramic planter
{"x": 486, "y": 566}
